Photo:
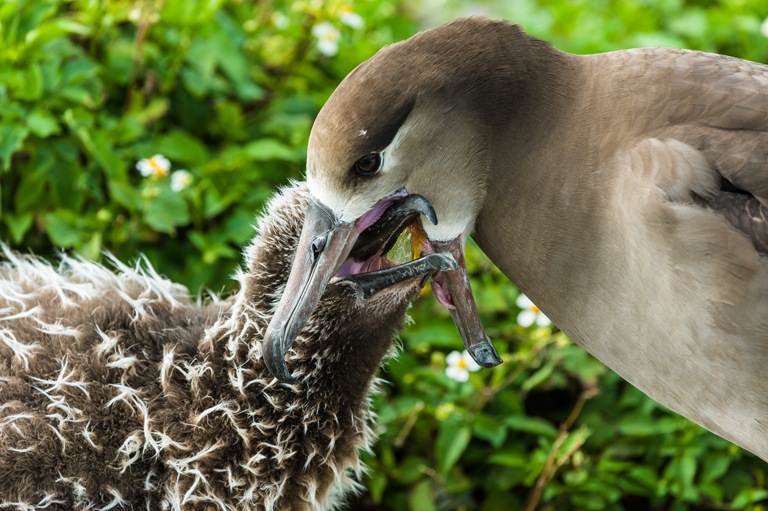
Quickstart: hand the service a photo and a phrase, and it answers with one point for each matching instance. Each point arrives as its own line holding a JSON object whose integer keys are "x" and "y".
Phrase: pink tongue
{"x": 375, "y": 213}
{"x": 440, "y": 290}
{"x": 352, "y": 267}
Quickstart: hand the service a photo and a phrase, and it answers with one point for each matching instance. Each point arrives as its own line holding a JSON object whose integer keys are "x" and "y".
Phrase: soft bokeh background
{"x": 226, "y": 91}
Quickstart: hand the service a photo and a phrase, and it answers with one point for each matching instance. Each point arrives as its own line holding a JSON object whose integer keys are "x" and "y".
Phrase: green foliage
{"x": 227, "y": 90}
{"x": 223, "y": 89}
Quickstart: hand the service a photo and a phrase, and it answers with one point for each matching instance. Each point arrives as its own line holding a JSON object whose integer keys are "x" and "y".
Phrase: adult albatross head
{"x": 397, "y": 140}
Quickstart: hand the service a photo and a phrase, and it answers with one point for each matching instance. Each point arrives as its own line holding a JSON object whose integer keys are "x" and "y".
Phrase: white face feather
{"x": 348, "y": 206}
{"x": 425, "y": 159}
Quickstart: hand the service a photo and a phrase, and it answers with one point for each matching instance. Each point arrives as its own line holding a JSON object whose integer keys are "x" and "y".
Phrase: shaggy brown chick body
{"x": 118, "y": 392}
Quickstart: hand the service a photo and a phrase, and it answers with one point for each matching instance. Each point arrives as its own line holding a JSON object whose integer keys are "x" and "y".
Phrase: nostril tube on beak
{"x": 318, "y": 244}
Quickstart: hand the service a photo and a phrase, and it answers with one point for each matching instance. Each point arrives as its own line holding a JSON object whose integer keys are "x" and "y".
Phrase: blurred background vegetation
{"x": 226, "y": 91}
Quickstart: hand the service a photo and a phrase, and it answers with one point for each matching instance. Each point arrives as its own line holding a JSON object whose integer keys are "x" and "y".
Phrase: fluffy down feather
{"x": 119, "y": 392}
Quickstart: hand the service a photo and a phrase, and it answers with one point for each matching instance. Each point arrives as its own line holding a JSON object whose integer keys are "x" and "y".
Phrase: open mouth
{"x": 381, "y": 249}
{"x": 396, "y": 237}
{"x": 392, "y": 244}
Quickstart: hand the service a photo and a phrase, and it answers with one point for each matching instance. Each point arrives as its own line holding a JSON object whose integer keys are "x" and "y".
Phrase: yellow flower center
{"x": 535, "y": 309}
{"x": 160, "y": 171}
{"x": 461, "y": 364}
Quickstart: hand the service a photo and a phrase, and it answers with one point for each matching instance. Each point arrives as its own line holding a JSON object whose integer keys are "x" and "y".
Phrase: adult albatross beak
{"x": 452, "y": 289}
{"x": 324, "y": 244}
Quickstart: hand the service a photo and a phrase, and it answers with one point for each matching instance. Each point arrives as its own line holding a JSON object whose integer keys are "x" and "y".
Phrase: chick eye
{"x": 368, "y": 164}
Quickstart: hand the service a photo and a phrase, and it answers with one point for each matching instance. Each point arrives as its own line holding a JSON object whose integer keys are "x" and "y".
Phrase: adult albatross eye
{"x": 368, "y": 164}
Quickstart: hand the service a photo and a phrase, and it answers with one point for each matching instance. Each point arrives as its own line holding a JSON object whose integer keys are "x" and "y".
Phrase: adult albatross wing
{"x": 640, "y": 250}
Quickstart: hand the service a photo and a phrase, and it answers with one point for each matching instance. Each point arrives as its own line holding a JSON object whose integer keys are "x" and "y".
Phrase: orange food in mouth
{"x": 395, "y": 238}
{"x": 418, "y": 238}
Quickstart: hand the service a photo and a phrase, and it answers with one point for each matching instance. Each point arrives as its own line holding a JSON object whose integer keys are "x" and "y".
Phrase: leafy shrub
{"x": 227, "y": 91}
{"x": 224, "y": 90}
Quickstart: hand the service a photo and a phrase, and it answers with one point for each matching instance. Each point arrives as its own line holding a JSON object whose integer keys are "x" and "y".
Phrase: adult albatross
{"x": 625, "y": 193}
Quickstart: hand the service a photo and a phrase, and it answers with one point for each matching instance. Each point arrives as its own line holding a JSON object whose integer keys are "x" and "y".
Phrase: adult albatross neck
{"x": 623, "y": 192}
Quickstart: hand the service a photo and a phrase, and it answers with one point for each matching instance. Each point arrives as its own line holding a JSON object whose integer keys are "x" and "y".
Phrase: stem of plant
{"x": 552, "y": 465}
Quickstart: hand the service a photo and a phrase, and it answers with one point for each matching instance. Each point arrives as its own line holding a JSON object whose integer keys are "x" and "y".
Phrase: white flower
{"x": 530, "y": 314}
{"x": 350, "y": 17}
{"x": 156, "y": 165}
{"x": 764, "y": 28}
{"x": 280, "y": 21}
{"x": 135, "y": 15}
{"x": 327, "y": 38}
{"x": 459, "y": 365}
{"x": 180, "y": 180}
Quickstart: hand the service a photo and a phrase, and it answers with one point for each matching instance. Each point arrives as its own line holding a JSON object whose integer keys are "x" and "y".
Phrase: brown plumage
{"x": 623, "y": 192}
{"x": 118, "y": 392}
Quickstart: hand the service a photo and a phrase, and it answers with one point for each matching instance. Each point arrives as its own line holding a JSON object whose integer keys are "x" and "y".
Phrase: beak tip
{"x": 485, "y": 354}
{"x": 274, "y": 357}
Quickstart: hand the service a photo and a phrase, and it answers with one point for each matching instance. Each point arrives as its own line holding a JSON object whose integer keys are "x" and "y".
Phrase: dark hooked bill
{"x": 452, "y": 288}
{"x": 328, "y": 248}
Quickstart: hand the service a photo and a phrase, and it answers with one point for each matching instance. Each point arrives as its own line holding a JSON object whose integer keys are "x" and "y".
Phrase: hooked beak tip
{"x": 464, "y": 312}
{"x": 274, "y": 357}
{"x": 485, "y": 354}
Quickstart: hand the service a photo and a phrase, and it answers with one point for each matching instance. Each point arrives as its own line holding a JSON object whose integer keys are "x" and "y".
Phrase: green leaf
{"x": 532, "y": 425}
{"x": 34, "y": 179}
{"x": 96, "y": 143}
{"x": 452, "y": 440}
{"x": 442, "y": 334}
{"x": 422, "y": 497}
{"x": 78, "y": 70}
{"x": 489, "y": 429}
{"x": 692, "y": 23}
{"x": 91, "y": 248}
{"x": 639, "y": 480}
{"x": 18, "y": 225}
{"x": 269, "y": 149}
{"x": 123, "y": 193}
{"x": 179, "y": 145}
{"x": 33, "y": 86}
{"x": 42, "y": 124}
{"x": 748, "y": 496}
{"x": 10, "y": 110}
{"x": 29, "y": 191}
{"x": 166, "y": 211}
{"x": 512, "y": 457}
{"x": 571, "y": 440}
{"x": 539, "y": 376}
{"x": 646, "y": 426}
{"x": 213, "y": 205}
{"x": 62, "y": 228}
{"x": 645, "y": 476}
{"x": 50, "y": 30}
{"x": 77, "y": 94}
{"x": 238, "y": 228}
{"x": 410, "y": 470}
{"x": 713, "y": 491}
{"x": 11, "y": 139}
{"x": 715, "y": 465}
{"x": 376, "y": 485}
{"x": 216, "y": 251}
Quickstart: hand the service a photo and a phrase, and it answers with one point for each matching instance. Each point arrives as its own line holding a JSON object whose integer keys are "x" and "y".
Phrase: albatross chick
{"x": 118, "y": 392}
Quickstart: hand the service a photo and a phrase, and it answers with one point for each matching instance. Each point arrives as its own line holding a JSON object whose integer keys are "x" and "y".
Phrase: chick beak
{"x": 324, "y": 244}
{"x": 452, "y": 289}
